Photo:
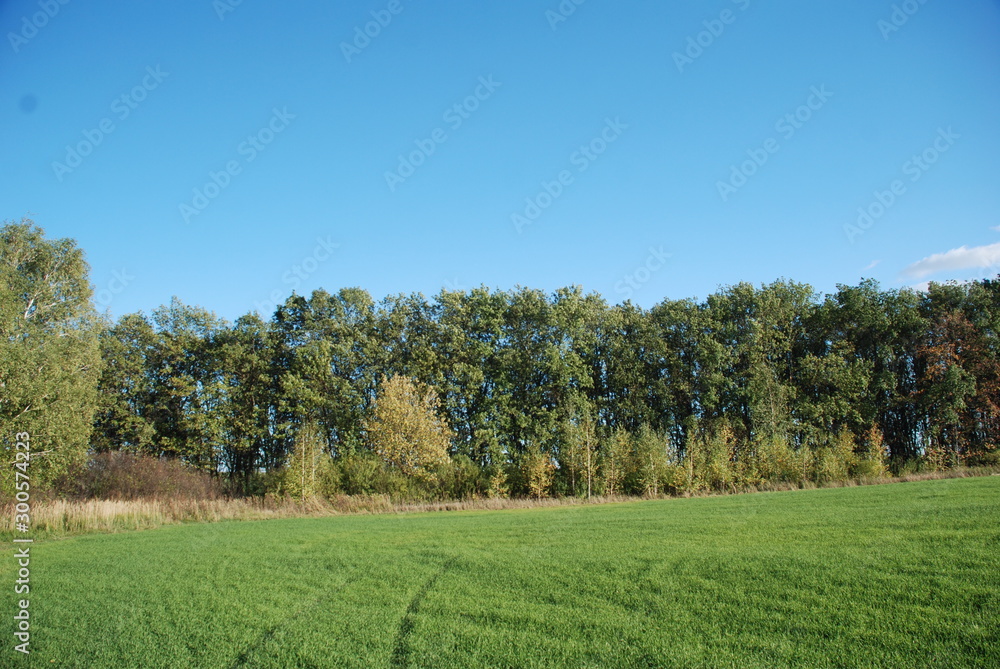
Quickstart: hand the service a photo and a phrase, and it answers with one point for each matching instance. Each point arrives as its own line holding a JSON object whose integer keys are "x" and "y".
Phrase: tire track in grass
{"x": 401, "y": 649}
{"x": 244, "y": 657}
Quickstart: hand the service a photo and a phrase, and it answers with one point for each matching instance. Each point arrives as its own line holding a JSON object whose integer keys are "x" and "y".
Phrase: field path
{"x": 401, "y": 649}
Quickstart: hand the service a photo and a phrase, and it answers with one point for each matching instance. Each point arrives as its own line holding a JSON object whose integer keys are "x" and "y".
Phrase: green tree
{"x": 187, "y": 384}
{"x": 650, "y": 461}
{"x": 615, "y": 456}
{"x": 326, "y": 364}
{"x": 249, "y": 381}
{"x": 682, "y": 367}
{"x": 578, "y": 452}
{"x": 468, "y": 338}
{"x": 49, "y": 351}
{"x": 884, "y": 329}
{"x": 309, "y": 466}
{"x": 123, "y": 419}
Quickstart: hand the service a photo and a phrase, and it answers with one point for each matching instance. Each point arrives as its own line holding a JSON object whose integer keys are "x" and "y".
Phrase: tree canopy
{"x": 506, "y": 391}
{"x": 49, "y": 353}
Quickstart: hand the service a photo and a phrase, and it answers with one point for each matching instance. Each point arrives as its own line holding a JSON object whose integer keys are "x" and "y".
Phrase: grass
{"x": 59, "y": 518}
{"x": 879, "y": 576}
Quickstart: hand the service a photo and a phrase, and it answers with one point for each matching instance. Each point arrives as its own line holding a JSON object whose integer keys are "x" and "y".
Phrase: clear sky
{"x": 644, "y": 150}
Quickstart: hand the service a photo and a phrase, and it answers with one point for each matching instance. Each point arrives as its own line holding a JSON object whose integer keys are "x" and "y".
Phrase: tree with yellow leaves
{"x": 406, "y": 429}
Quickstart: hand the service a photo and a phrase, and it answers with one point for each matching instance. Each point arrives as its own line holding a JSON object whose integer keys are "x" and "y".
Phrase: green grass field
{"x": 903, "y": 575}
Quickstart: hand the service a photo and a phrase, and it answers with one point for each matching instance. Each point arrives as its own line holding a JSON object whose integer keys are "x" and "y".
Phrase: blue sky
{"x": 644, "y": 150}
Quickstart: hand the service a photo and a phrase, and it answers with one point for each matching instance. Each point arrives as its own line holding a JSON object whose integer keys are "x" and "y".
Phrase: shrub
{"x": 497, "y": 485}
{"x": 709, "y": 459}
{"x": 359, "y": 473}
{"x": 309, "y": 466}
{"x": 871, "y": 460}
{"x": 537, "y": 472}
{"x": 116, "y": 475}
{"x": 834, "y": 460}
{"x": 988, "y": 457}
{"x": 459, "y": 479}
{"x": 776, "y": 461}
{"x": 649, "y": 467}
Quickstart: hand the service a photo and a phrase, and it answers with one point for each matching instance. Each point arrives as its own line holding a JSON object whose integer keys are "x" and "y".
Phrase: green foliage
{"x": 460, "y": 478}
{"x": 310, "y": 471}
{"x": 616, "y": 455}
{"x": 753, "y": 385}
{"x": 360, "y": 473}
{"x": 710, "y": 459}
{"x": 186, "y": 405}
{"x": 650, "y": 467}
{"x": 50, "y": 359}
{"x": 122, "y": 421}
{"x": 249, "y": 388}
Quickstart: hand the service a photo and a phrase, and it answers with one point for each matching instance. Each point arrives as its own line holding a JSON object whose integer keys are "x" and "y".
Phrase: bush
{"x": 359, "y": 473}
{"x": 460, "y": 478}
{"x": 990, "y": 457}
{"x": 776, "y": 461}
{"x": 309, "y": 468}
{"x": 871, "y": 461}
{"x": 834, "y": 460}
{"x": 497, "y": 485}
{"x": 709, "y": 459}
{"x": 122, "y": 476}
{"x": 536, "y": 473}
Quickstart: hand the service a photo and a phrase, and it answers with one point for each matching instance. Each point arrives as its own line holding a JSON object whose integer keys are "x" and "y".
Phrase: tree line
{"x": 503, "y": 392}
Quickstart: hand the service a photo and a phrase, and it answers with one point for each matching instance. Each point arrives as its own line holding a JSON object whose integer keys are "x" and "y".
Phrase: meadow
{"x": 901, "y": 575}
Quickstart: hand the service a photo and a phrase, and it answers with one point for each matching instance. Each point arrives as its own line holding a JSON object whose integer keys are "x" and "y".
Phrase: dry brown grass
{"x": 58, "y": 517}
{"x": 61, "y": 518}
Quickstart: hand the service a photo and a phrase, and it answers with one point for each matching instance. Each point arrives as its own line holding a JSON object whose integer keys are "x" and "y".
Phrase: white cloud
{"x": 872, "y": 265}
{"x": 961, "y": 258}
{"x": 996, "y": 227}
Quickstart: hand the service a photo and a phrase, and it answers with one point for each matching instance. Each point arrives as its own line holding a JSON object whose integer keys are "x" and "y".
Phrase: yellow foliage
{"x": 539, "y": 471}
{"x": 498, "y": 484}
{"x": 406, "y": 429}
